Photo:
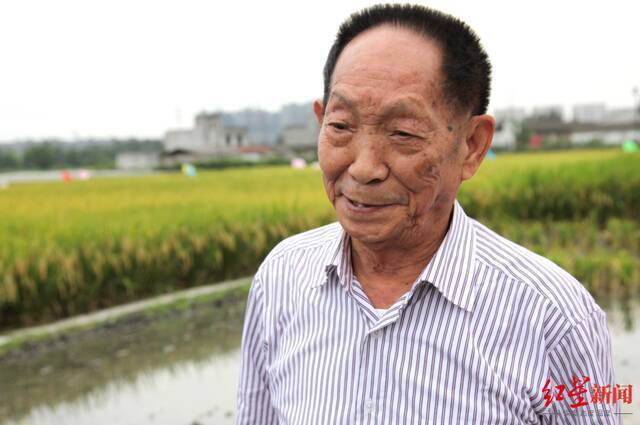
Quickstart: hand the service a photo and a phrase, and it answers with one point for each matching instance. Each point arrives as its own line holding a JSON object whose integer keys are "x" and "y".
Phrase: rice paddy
{"x": 73, "y": 247}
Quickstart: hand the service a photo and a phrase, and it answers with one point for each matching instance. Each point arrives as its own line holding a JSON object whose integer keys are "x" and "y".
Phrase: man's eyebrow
{"x": 403, "y": 108}
{"x": 406, "y": 108}
{"x": 342, "y": 99}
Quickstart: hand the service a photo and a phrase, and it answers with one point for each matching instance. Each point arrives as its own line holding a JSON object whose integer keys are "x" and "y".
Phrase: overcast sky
{"x": 136, "y": 68}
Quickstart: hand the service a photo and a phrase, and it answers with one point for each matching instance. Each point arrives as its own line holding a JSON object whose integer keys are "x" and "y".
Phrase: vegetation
{"x": 68, "y": 248}
{"x": 231, "y": 162}
{"x": 597, "y": 184}
{"x": 54, "y": 154}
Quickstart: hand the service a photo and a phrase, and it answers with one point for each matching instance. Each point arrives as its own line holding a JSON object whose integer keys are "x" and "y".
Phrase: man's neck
{"x": 387, "y": 272}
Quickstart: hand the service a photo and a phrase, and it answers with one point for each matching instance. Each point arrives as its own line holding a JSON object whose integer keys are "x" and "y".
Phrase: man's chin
{"x": 366, "y": 232}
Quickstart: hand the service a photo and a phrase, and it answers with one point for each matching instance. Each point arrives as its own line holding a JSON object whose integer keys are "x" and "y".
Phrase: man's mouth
{"x": 363, "y": 205}
{"x": 359, "y": 204}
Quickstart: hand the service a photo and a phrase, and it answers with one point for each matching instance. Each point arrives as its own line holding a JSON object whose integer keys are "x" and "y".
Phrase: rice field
{"x": 74, "y": 247}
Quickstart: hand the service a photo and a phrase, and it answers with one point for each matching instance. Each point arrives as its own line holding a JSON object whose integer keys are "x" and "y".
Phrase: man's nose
{"x": 368, "y": 164}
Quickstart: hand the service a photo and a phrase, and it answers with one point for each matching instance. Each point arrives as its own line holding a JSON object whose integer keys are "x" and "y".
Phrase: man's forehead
{"x": 390, "y": 47}
{"x": 393, "y": 33}
{"x": 394, "y": 104}
{"x": 388, "y": 59}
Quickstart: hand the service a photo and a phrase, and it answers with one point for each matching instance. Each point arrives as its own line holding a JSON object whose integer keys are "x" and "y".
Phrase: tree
{"x": 42, "y": 156}
{"x": 523, "y": 134}
{"x": 9, "y": 160}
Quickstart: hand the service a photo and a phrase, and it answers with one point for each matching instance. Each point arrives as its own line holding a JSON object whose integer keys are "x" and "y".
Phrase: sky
{"x": 77, "y": 69}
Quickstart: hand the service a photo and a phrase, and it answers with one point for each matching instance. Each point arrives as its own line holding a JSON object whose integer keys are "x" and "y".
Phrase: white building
{"x": 609, "y": 134}
{"x": 177, "y": 138}
{"x": 622, "y": 115}
{"x": 507, "y": 120}
{"x": 548, "y": 113}
{"x": 302, "y": 136}
{"x": 513, "y": 114}
{"x": 137, "y": 160}
{"x": 505, "y": 135}
{"x": 589, "y": 112}
{"x": 208, "y": 135}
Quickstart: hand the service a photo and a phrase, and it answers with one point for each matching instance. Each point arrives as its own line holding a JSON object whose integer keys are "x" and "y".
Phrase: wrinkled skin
{"x": 389, "y": 138}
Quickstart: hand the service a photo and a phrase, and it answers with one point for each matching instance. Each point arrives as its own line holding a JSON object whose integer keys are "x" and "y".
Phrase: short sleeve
{"x": 253, "y": 399}
{"x": 580, "y": 376}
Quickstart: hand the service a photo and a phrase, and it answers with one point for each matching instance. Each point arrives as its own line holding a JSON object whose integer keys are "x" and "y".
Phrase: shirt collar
{"x": 340, "y": 259}
{"x": 451, "y": 270}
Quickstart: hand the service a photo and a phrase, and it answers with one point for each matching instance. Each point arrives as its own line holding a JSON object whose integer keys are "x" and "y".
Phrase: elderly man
{"x": 407, "y": 311}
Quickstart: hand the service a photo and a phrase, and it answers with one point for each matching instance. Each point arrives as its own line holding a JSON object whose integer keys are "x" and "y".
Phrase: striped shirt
{"x": 482, "y": 330}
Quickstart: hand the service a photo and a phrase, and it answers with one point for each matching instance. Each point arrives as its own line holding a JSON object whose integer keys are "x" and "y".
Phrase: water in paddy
{"x": 177, "y": 369}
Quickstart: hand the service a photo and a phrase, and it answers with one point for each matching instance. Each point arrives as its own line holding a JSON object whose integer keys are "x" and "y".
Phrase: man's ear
{"x": 317, "y": 109}
{"x": 479, "y": 135}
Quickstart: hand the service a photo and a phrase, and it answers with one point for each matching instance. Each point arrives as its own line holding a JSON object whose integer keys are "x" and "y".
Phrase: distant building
{"x": 509, "y": 114}
{"x": 609, "y": 126}
{"x": 302, "y": 136}
{"x": 295, "y": 113}
{"x": 208, "y": 139}
{"x": 552, "y": 113}
{"x": 608, "y": 133}
{"x": 266, "y": 127}
{"x": 208, "y": 136}
{"x": 611, "y": 133}
{"x": 592, "y": 122}
{"x": 622, "y": 115}
{"x": 589, "y": 112}
{"x": 175, "y": 139}
{"x": 137, "y": 160}
{"x": 505, "y": 135}
{"x": 507, "y": 120}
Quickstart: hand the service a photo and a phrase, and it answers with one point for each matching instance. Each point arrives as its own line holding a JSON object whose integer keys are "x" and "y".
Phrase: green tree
{"x": 9, "y": 160}
{"x": 42, "y": 156}
{"x": 523, "y": 133}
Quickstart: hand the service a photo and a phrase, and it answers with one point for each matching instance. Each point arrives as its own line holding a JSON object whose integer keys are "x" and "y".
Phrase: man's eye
{"x": 339, "y": 126}
{"x": 403, "y": 134}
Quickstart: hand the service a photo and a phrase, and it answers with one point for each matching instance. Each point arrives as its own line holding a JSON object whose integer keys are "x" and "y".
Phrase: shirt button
{"x": 376, "y": 334}
{"x": 368, "y": 406}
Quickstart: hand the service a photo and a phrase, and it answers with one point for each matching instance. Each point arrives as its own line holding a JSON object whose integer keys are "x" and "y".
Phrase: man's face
{"x": 387, "y": 147}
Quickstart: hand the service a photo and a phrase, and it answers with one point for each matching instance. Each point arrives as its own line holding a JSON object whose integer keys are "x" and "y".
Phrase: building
{"x": 589, "y": 112}
{"x": 610, "y": 133}
{"x": 623, "y": 115}
{"x": 208, "y": 136}
{"x": 301, "y": 137}
{"x": 505, "y": 135}
{"x": 591, "y": 123}
{"x": 512, "y": 114}
{"x": 208, "y": 139}
{"x": 507, "y": 120}
{"x": 137, "y": 160}
{"x": 552, "y": 113}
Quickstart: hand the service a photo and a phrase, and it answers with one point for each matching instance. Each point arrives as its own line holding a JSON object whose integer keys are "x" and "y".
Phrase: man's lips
{"x": 365, "y": 203}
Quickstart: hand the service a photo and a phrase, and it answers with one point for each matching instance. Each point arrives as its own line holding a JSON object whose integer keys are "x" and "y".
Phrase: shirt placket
{"x": 372, "y": 365}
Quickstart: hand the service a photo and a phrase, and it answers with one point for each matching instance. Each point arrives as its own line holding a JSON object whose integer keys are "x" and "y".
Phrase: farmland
{"x": 74, "y": 247}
